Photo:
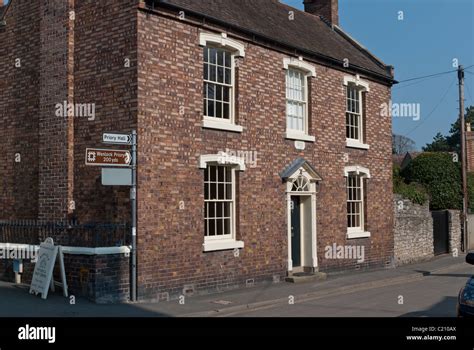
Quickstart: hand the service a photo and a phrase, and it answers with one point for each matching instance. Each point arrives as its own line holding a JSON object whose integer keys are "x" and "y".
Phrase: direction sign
{"x": 107, "y": 157}
{"x": 117, "y": 139}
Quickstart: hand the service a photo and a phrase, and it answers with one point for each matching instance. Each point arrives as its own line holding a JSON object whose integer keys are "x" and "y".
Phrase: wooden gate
{"x": 440, "y": 231}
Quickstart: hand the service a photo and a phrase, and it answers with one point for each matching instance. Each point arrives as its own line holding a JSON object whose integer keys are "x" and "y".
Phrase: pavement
{"x": 427, "y": 289}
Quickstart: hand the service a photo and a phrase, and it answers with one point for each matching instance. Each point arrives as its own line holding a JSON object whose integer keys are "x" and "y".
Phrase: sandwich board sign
{"x": 42, "y": 279}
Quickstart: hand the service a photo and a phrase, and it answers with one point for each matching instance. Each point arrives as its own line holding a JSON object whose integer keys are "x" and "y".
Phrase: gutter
{"x": 149, "y": 7}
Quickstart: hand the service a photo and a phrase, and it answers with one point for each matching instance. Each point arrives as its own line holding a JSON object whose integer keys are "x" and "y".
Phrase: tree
{"x": 402, "y": 144}
{"x": 440, "y": 176}
{"x": 452, "y": 142}
{"x": 439, "y": 144}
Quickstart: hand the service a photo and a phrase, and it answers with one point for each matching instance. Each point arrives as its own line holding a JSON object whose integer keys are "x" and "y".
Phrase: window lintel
{"x": 223, "y": 41}
{"x": 222, "y": 158}
{"x": 359, "y": 170}
{"x": 309, "y": 69}
{"x": 357, "y": 81}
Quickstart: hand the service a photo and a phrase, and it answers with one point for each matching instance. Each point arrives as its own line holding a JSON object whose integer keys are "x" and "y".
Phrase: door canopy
{"x": 300, "y": 176}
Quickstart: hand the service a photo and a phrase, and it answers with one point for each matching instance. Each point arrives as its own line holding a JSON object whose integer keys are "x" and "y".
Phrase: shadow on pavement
{"x": 15, "y": 301}
{"x": 428, "y": 273}
{"x": 445, "y": 308}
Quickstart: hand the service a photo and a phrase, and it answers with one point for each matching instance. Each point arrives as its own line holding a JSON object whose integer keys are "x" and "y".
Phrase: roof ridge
{"x": 338, "y": 29}
{"x": 306, "y": 35}
{"x": 354, "y": 42}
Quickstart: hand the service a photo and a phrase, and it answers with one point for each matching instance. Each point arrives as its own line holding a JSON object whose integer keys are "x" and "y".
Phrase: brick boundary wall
{"x": 103, "y": 279}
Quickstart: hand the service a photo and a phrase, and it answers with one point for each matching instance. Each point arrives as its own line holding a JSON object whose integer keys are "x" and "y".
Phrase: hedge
{"x": 440, "y": 174}
{"x": 415, "y": 192}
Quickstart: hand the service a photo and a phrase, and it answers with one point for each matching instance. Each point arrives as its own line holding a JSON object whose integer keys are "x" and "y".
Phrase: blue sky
{"x": 433, "y": 33}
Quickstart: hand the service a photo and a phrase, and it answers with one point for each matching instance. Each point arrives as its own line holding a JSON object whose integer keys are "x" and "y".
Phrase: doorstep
{"x": 302, "y": 277}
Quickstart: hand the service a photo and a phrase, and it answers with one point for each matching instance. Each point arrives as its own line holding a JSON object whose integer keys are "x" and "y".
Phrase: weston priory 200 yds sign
{"x": 107, "y": 157}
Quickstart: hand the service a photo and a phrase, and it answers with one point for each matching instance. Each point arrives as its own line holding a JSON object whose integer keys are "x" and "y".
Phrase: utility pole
{"x": 463, "y": 154}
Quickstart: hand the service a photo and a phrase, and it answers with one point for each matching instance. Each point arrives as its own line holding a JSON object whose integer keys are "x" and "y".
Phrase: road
{"x": 431, "y": 296}
{"x": 353, "y": 295}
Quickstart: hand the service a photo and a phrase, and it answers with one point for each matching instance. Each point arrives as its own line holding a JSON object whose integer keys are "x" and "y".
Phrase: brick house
{"x": 260, "y": 138}
{"x": 470, "y": 148}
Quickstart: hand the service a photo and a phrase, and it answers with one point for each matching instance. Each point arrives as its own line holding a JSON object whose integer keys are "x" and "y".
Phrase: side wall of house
{"x": 105, "y": 77}
{"x": 171, "y": 227}
{"x": 87, "y": 57}
{"x": 19, "y": 103}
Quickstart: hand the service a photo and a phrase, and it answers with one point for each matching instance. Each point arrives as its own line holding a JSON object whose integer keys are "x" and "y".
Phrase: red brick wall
{"x": 170, "y": 240}
{"x": 19, "y": 101}
{"x": 329, "y": 9}
{"x": 105, "y": 37}
{"x": 470, "y": 151}
{"x": 86, "y": 64}
{"x": 55, "y": 172}
{"x": 79, "y": 61}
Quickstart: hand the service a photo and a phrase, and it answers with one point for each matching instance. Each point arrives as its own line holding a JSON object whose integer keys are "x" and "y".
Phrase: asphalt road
{"x": 434, "y": 295}
{"x": 431, "y": 296}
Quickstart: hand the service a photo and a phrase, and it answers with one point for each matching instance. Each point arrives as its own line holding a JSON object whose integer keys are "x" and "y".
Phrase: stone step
{"x": 301, "y": 277}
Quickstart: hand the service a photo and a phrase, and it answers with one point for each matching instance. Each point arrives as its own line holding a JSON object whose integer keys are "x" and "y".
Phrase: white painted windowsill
{"x": 219, "y": 125}
{"x": 358, "y": 234}
{"x": 212, "y": 246}
{"x": 356, "y": 144}
{"x": 292, "y": 135}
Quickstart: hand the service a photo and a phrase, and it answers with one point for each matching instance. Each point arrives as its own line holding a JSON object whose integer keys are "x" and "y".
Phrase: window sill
{"x": 291, "y": 135}
{"x": 356, "y": 144}
{"x": 212, "y": 246}
{"x": 218, "y": 125}
{"x": 358, "y": 234}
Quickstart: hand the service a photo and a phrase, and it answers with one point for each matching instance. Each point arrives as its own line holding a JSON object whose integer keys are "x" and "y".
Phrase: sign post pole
{"x": 122, "y": 161}
{"x": 133, "y": 199}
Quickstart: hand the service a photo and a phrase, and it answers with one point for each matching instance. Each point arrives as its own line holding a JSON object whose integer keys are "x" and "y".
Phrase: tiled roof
{"x": 270, "y": 19}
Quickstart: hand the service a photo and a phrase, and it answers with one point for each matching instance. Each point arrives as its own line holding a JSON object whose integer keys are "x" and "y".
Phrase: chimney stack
{"x": 2, "y": 3}
{"x": 325, "y": 8}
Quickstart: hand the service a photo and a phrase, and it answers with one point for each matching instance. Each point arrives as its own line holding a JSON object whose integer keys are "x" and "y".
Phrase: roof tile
{"x": 270, "y": 18}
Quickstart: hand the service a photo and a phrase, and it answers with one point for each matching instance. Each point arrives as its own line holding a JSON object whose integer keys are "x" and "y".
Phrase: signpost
{"x": 119, "y": 168}
{"x": 133, "y": 198}
{"x": 107, "y": 157}
{"x": 117, "y": 139}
